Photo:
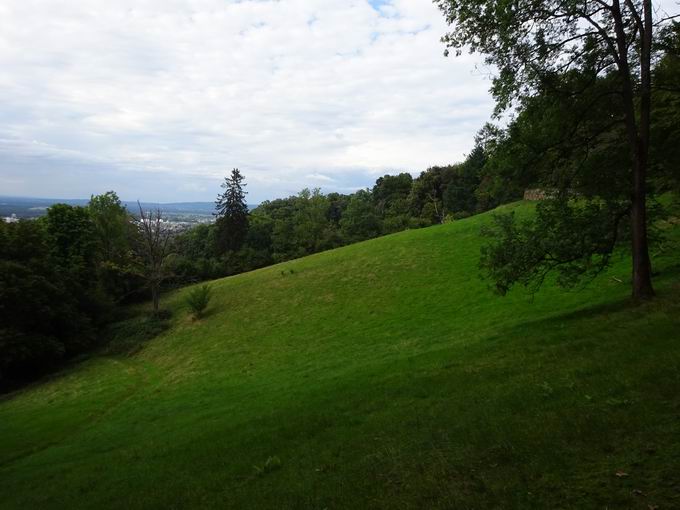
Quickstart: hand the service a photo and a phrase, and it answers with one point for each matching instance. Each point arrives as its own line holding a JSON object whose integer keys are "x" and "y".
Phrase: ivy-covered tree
{"x": 232, "y": 213}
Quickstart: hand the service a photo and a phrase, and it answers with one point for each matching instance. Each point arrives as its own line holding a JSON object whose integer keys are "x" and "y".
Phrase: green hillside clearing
{"x": 380, "y": 375}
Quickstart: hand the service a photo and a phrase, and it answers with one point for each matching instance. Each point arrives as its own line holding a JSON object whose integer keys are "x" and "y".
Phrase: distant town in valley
{"x": 178, "y": 215}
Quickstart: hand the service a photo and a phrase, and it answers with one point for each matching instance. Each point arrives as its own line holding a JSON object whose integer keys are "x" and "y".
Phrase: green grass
{"x": 380, "y": 375}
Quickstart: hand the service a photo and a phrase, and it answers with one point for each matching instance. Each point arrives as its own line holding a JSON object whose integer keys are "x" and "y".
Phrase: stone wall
{"x": 535, "y": 194}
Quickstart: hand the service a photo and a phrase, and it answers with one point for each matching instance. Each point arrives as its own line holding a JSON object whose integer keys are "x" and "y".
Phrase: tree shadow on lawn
{"x": 666, "y": 300}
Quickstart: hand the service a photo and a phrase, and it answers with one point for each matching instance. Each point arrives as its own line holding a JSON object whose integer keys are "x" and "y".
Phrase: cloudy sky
{"x": 159, "y": 99}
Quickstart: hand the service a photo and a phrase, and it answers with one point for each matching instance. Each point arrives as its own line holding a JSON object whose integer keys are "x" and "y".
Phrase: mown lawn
{"x": 380, "y": 375}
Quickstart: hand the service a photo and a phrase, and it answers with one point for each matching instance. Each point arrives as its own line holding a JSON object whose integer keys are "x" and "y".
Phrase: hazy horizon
{"x": 163, "y": 99}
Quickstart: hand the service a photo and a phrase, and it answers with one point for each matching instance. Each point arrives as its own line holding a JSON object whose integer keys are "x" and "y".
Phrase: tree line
{"x": 311, "y": 221}
{"x": 64, "y": 276}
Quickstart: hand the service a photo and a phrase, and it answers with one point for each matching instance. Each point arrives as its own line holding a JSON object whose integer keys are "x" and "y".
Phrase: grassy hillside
{"x": 380, "y": 375}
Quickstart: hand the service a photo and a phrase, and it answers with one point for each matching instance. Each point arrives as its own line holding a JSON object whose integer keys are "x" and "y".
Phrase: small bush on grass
{"x": 198, "y": 300}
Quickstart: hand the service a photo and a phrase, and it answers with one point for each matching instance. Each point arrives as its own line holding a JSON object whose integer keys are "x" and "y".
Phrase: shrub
{"x": 198, "y": 299}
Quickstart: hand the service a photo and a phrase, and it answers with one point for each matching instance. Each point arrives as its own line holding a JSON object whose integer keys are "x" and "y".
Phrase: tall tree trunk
{"x": 642, "y": 267}
{"x": 642, "y": 272}
{"x": 155, "y": 297}
{"x": 638, "y": 137}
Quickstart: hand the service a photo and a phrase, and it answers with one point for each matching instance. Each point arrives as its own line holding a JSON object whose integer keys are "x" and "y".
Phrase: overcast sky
{"x": 159, "y": 99}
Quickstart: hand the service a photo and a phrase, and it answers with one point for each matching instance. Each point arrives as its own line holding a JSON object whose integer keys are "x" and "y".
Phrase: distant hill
{"x": 380, "y": 375}
{"x": 25, "y": 207}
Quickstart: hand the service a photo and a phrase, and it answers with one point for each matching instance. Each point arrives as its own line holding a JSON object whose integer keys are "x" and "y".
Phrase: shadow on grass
{"x": 127, "y": 337}
{"x": 207, "y": 313}
{"x": 667, "y": 298}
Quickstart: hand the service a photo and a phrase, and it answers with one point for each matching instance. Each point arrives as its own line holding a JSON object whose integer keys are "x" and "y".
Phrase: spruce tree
{"x": 232, "y": 213}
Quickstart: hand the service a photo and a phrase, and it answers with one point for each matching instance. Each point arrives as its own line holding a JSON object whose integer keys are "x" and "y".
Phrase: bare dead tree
{"x": 154, "y": 248}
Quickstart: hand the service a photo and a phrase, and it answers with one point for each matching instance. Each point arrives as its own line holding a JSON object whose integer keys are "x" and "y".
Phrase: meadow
{"x": 385, "y": 374}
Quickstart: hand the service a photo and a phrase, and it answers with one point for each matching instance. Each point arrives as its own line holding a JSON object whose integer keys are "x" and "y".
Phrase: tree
{"x": 113, "y": 232}
{"x": 461, "y": 182}
{"x": 153, "y": 248}
{"x": 72, "y": 238}
{"x": 198, "y": 299}
{"x": 425, "y": 197}
{"x": 310, "y": 219}
{"x": 531, "y": 42}
{"x": 360, "y": 221}
{"x": 665, "y": 150}
{"x": 573, "y": 240}
{"x": 111, "y": 222}
{"x": 232, "y": 213}
{"x": 389, "y": 189}
{"x": 42, "y": 316}
{"x": 73, "y": 244}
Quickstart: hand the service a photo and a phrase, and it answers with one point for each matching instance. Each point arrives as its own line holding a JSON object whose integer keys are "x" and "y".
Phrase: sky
{"x": 160, "y": 99}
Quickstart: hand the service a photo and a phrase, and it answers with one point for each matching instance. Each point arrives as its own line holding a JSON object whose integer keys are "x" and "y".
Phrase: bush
{"x": 198, "y": 299}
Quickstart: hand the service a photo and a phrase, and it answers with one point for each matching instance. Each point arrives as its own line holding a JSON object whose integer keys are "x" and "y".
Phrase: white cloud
{"x": 295, "y": 93}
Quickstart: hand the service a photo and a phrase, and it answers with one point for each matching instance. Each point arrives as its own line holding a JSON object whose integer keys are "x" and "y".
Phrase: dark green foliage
{"x": 129, "y": 336}
{"x": 665, "y": 148}
{"x": 575, "y": 239}
{"x": 111, "y": 223}
{"x": 72, "y": 234}
{"x": 426, "y": 197}
{"x": 459, "y": 195}
{"x": 200, "y": 241}
{"x": 500, "y": 182}
{"x": 43, "y": 316}
{"x": 309, "y": 222}
{"x": 360, "y": 220}
{"x": 60, "y": 277}
{"x": 573, "y": 144}
{"x": 184, "y": 269}
{"x": 115, "y": 237}
{"x": 571, "y": 136}
{"x": 232, "y": 213}
{"x": 390, "y": 191}
{"x": 195, "y": 256}
{"x": 198, "y": 299}
{"x": 580, "y": 75}
{"x": 337, "y": 203}
{"x": 295, "y": 226}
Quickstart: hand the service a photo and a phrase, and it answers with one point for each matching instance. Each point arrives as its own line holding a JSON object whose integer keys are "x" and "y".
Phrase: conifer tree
{"x": 232, "y": 213}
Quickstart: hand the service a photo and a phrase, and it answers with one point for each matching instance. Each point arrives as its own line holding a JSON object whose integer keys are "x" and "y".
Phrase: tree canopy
{"x": 586, "y": 62}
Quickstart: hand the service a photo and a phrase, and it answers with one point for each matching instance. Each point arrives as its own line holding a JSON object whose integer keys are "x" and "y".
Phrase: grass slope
{"x": 379, "y": 375}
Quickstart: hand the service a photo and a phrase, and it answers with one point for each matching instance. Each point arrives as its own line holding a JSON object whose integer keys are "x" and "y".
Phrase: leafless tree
{"x": 154, "y": 246}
